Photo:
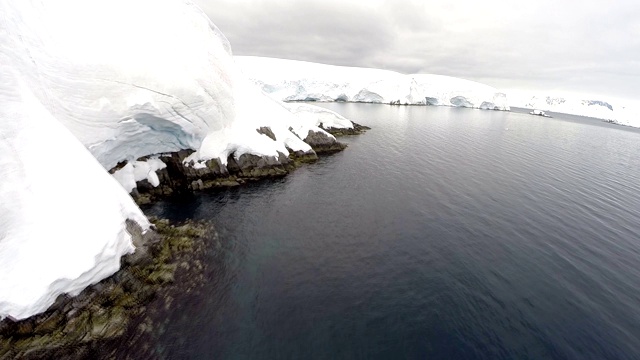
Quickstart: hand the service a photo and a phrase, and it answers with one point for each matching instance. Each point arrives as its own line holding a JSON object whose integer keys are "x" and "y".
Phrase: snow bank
{"x": 62, "y": 217}
{"x": 290, "y": 80}
{"x": 317, "y": 116}
{"x": 135, "y": 171}
{"x": 255, "y": 110}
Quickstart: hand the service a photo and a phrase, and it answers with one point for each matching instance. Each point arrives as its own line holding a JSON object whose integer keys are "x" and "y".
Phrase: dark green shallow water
{"x": 442, "y": 233}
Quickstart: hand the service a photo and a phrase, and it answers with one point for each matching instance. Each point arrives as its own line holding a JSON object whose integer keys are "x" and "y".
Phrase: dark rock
{"x": 197, "y": 185}
{"x": 267, "y": 131}
{"x": 144, "y": 185}
{"x": 356, "y": 130}
{"x": 182, "y": 179}
{"x": 142, "y": 243}
{"x": 49, "y": 324}
{"x": 321, "y": 143}
{"x": 303, "y": 157}
{"x": 229, "y": 183}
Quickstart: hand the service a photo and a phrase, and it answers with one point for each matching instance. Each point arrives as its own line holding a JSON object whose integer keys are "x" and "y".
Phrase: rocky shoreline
{"x": 179, "y": 177}
{"x": 116, "y": 318}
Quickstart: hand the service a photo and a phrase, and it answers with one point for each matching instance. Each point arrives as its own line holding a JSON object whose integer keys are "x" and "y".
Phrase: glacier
{"x": 86, "y": 86}
{"x": 112, "y": 86}
{"x": 614, "y": 111}
{"x": 293, "y": 80}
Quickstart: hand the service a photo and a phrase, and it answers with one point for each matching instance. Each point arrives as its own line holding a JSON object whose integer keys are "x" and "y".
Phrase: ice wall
{"x": 291, "y": 80}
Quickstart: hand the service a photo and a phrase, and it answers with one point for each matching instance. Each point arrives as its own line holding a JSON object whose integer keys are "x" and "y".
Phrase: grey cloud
{"x": 581, "y": 46}
{"x": 302, "y": 30}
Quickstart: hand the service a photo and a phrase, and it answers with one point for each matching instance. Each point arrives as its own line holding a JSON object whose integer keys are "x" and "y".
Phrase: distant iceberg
{"x": 292, "y": 80}
{"x": 539, "y": 113}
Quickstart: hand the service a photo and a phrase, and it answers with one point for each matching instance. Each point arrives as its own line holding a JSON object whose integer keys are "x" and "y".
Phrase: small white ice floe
{"x": 539, "y": 113}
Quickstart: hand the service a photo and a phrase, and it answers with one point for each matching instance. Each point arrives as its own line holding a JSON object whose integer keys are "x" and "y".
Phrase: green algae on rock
{"x": 96, "y": 323}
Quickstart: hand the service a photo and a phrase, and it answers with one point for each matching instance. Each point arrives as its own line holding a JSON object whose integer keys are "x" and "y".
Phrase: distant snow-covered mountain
{"x": 292, "y": 80}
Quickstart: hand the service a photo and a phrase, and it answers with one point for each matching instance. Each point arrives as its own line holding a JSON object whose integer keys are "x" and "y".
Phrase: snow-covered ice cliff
{"x": 291, "y": 80}
{"x": 108, "y": 80}
{"x": 164, "y": 70}
{"x": 62, "y": 217}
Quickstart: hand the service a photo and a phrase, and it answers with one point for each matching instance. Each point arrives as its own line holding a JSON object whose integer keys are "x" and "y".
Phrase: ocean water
{"x": 442, "y": 233}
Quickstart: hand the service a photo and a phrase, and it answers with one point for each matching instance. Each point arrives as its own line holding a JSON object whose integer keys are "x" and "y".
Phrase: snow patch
{"x": 254, "y": 110}
{"x": 316, "y": 116}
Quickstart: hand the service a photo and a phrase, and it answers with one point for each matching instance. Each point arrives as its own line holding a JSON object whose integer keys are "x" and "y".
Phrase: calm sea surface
{"x": 442, "y": 233}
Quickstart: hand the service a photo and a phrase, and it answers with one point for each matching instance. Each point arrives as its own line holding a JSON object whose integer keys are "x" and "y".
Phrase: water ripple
{"x": 438, "y": 235}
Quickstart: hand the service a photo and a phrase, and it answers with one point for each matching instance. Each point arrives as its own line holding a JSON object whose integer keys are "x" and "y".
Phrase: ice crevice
{"x": 145, "y": 88}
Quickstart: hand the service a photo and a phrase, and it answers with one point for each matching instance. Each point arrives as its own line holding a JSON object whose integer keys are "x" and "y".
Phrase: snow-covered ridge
{"x": 600, "y": 109}
{"x": 292, "y": 80}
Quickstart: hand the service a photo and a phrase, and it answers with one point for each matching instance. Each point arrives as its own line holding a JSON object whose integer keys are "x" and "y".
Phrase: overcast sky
{"x": 562, "y": 46}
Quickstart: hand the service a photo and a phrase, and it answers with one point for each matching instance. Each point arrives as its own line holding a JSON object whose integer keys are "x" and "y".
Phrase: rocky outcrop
{"x": 267, "y": 131}
{"x": 321, "y": 143}
{"x": 180, "y": 176}
{"x": 115, "y": 318}
{"x": 357, "y": 129}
